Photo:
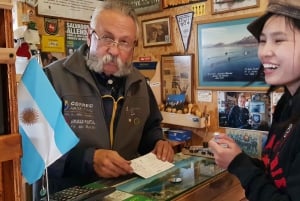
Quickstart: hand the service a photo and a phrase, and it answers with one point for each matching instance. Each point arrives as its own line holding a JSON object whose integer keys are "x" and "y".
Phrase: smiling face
{"x": 279, "y": 52}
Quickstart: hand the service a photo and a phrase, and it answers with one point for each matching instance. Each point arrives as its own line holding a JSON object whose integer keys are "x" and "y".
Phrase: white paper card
{"x": 117, "y": 195}
{"x": 204, "y": 95}
{"x": 148, "y": 165}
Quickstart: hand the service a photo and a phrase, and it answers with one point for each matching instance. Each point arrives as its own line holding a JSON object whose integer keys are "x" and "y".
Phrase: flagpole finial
{"x": 39, "y": 58}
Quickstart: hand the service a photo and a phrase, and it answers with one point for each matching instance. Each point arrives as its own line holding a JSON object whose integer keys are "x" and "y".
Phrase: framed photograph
{"x": 176, "y": 77}
{"x": 156, "y": 32}
{"x": 221, "y": 6}
{"x": 172, "y": 4}
{"x": 142, "y": 7}
{"x": 244, "y": 110}
{"x": 251, "y": 142}
{"x": 227, "y": 55}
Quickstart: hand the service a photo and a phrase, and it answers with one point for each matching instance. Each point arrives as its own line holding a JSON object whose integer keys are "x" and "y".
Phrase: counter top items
{"x": 79, "y": 193}
{"x": 187, "y": 173}
{"x": 197, "y": 151}
{"x": 175, "y": 179}
{"x": 179, "y": 135}
{"x": 176, "y": 183}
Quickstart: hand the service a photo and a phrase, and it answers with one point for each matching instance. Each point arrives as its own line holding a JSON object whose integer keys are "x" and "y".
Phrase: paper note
{"x": 117, "y": 195}
{"x": 148, "y": 165}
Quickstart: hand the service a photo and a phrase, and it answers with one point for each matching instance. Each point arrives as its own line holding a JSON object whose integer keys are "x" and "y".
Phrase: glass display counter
{"x": 192, "y": 176}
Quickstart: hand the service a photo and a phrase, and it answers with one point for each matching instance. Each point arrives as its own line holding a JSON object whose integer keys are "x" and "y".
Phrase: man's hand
{"x": 164, "y": 151}
{"x": 109, "y": 164}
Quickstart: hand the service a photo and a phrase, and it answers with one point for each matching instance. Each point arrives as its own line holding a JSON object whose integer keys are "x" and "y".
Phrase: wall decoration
{"x": 147, "y": 68}
{"x": 175, "y": 3}
{"x": 51, "y": 25}
{"x": 156, "y": 32}
{"x": 51, "y": 43}
{"x": 143, "y": 7}
{"x": 49, "y": 57}
{"x": 185, "y": 22}
{"x": 76, "y": 35}
{"x": 227, "y": 55}
{"x": 251, "y": 142}
{"x": 252, "y": 111}
{"x": 176, "y": 76}
{"x": 75, "y": 9}
{"x": 199, "y": 9}
{"x": 82, "y": 9}
{"x": 221, "y": 6}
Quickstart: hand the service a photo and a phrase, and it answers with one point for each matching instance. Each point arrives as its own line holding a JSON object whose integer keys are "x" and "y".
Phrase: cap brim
{"x": 256, "y": 26}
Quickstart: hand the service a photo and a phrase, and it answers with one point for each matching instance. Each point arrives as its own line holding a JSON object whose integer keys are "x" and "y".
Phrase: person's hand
{"x": 164, "y": 151}
{"x": 224, "y": 149}
{"x": 109, "y": 164}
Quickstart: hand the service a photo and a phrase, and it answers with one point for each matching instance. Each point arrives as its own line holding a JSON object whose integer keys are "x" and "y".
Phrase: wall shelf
{"x": 187, "y": 120}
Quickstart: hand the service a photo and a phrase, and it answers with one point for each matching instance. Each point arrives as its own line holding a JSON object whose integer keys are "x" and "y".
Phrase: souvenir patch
{"x": 51, "y": 25}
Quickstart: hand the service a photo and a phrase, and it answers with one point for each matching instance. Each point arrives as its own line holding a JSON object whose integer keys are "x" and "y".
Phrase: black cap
{"x": 289, "y": 8}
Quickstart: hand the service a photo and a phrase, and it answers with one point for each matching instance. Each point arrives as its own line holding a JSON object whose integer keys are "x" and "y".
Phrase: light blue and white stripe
{"x": 45, "y": 134}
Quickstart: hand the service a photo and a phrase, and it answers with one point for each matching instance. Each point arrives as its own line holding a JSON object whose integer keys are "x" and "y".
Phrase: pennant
{"x": 184, "y": 22}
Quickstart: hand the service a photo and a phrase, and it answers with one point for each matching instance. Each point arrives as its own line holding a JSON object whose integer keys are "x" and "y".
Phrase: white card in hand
{"x": 148, "y": 165}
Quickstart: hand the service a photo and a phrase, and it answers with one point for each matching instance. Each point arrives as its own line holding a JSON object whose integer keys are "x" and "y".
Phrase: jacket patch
{"x": 79, "y": 115}
{"x": 134, "y": 115}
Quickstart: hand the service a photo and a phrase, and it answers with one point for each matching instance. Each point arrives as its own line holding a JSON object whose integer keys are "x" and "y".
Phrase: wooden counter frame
{"x": 10, "y": 142}
{"x": 224, "y": 186}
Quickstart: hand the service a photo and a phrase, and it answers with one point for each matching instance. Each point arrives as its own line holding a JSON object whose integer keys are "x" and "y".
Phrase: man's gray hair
{"x": 117, "y": 5}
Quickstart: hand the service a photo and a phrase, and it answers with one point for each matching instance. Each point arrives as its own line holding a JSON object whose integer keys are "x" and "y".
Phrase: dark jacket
{"x": 238, "y": 117}
{"x": 135, "y": 133}
{"x": 277, "y": 175}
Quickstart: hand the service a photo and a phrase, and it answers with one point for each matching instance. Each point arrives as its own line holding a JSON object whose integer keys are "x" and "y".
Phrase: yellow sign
{"x": 53, "y": 43}
{"x": 199, "y": 9}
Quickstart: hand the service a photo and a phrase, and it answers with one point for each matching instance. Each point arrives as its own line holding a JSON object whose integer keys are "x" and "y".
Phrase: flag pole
{"x": 47, "y": 184}
{"x": 44, "y": 192}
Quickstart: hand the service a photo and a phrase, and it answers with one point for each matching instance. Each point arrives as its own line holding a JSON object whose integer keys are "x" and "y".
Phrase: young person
{"x": 276, "y": 176}
{"x": 107, "y": 103}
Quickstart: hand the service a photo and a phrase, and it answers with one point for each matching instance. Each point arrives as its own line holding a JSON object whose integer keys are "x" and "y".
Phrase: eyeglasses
{"x": 109, "y": 42}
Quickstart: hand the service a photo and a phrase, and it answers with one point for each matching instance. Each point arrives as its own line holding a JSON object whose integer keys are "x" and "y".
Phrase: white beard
{"x": 96, "y": 64}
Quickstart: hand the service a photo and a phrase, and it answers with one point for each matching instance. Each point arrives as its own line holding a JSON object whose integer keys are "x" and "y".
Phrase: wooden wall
{"x": 176, "y": 47}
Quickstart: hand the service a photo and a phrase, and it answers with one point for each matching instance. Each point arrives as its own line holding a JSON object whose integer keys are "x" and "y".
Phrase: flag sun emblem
{"x": 29, "y": 116}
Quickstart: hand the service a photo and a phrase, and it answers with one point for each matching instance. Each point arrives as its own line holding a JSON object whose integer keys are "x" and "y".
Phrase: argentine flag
{"x": 45, "y": 134}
